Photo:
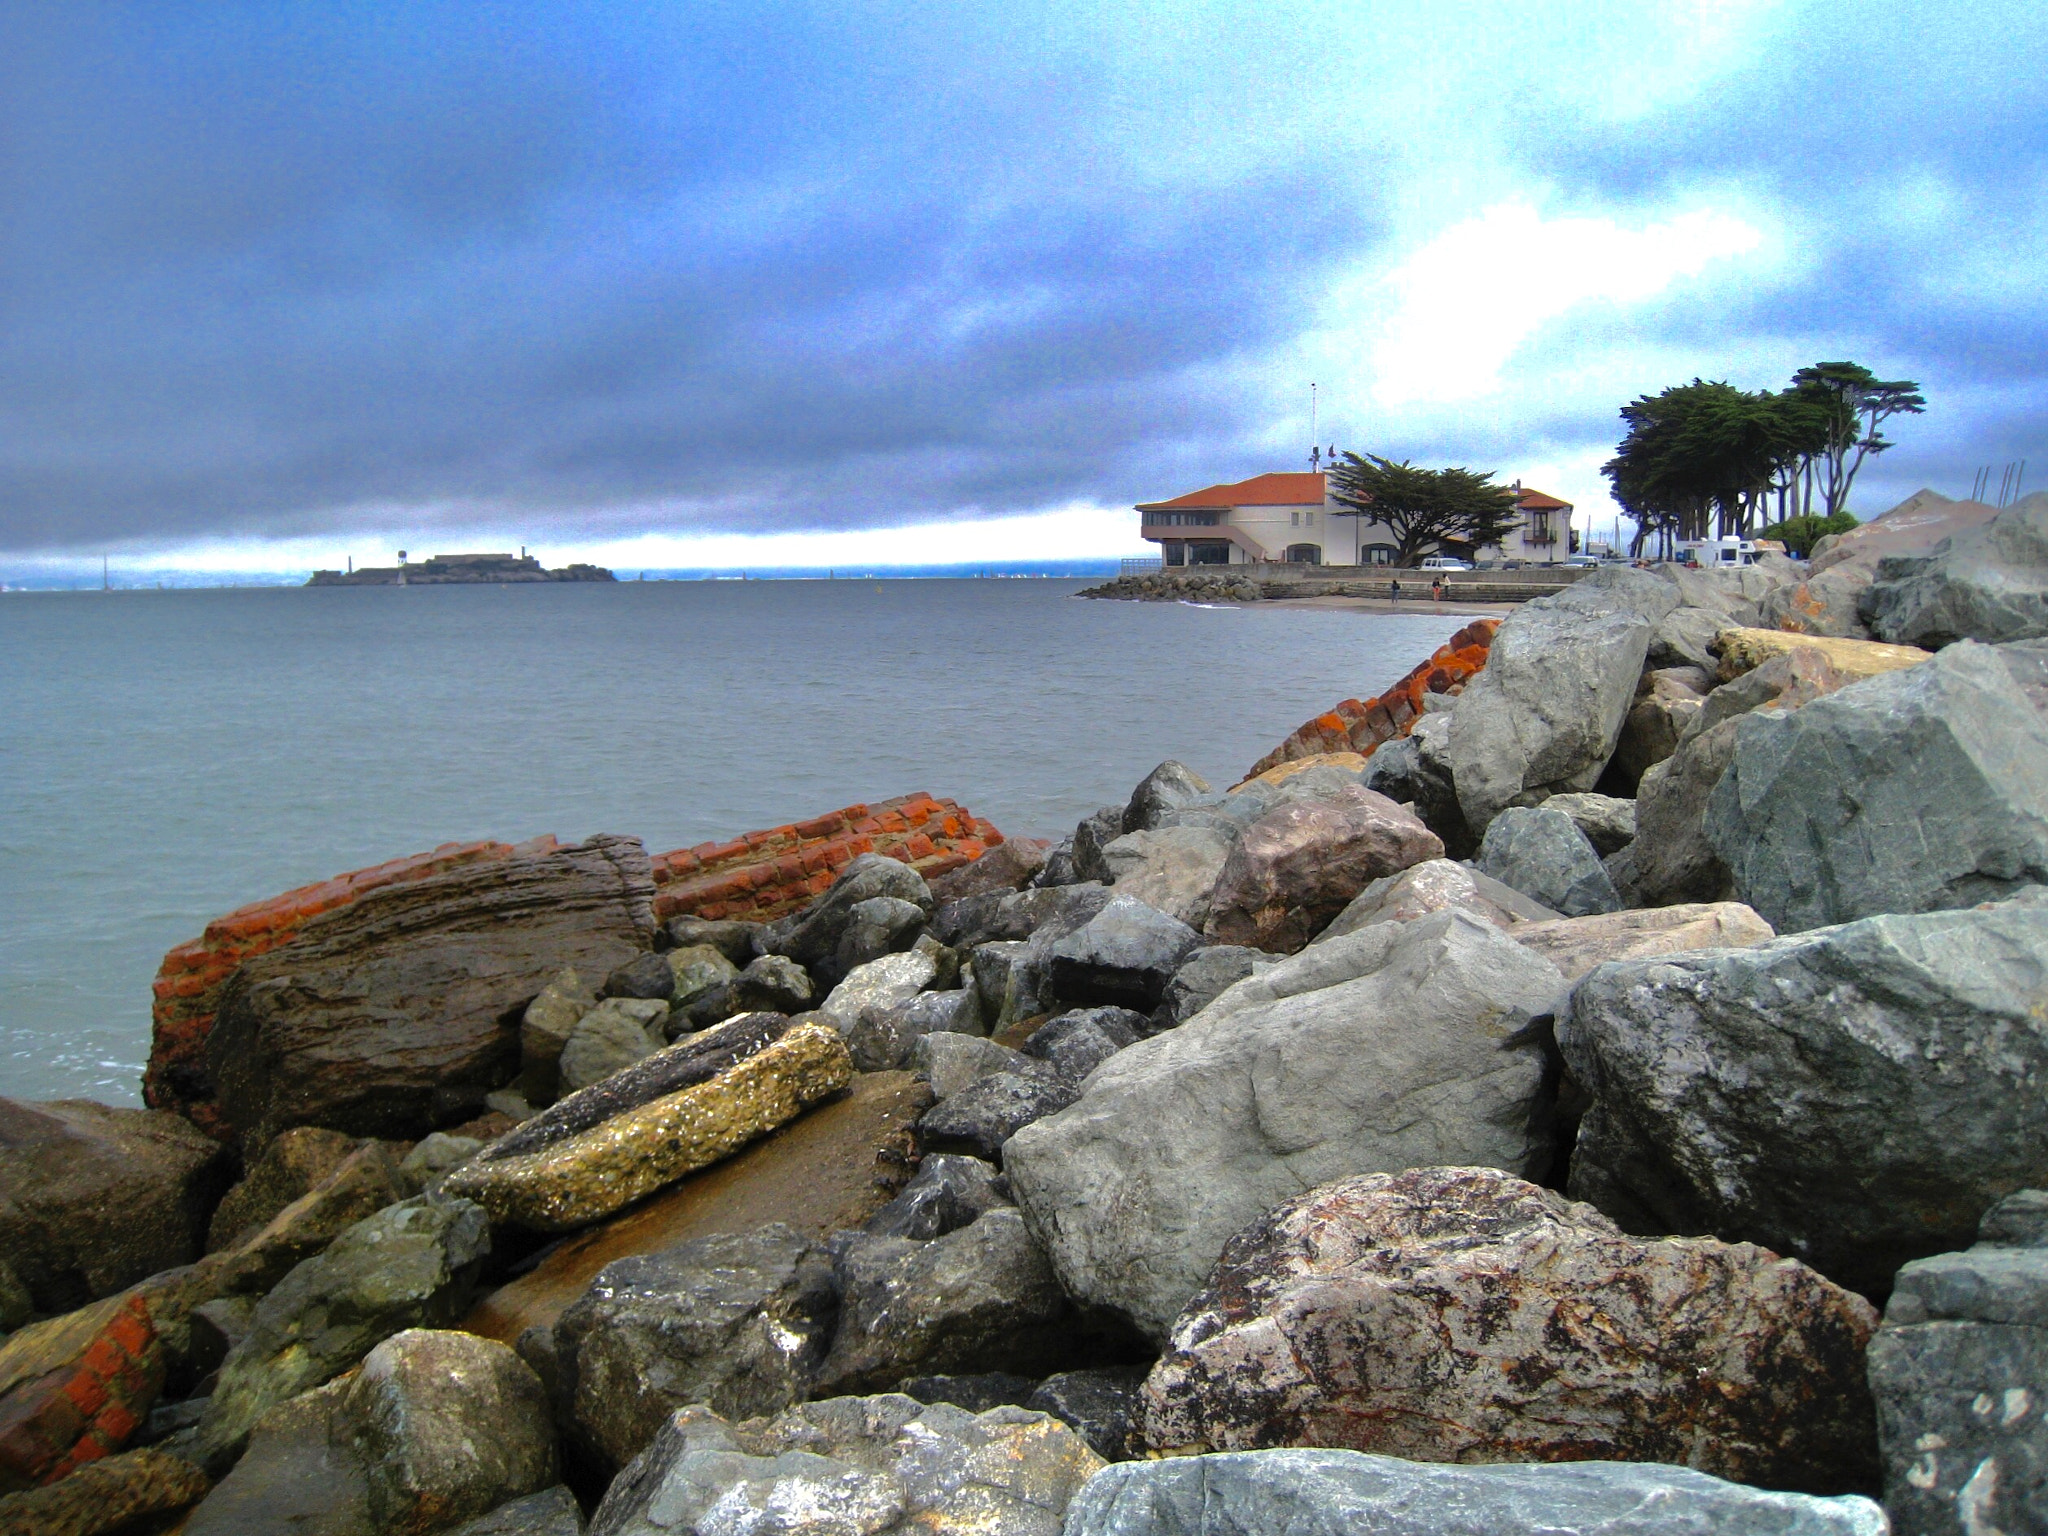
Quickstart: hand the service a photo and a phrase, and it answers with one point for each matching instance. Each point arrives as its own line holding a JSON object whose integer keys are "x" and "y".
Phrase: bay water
{"x": 168, "y": 756}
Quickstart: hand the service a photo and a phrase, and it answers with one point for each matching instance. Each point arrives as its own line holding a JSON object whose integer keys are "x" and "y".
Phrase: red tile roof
{"x": 1541, "y": 501}
{"x": 1275, "y": 490}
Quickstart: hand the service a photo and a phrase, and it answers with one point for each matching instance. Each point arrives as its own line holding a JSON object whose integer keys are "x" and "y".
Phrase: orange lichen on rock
{"x": 766, "y": 874}
{"x": 1361, "y": 725}
{"x": 75, "y": 1388}
{"x": 186, "y": 994}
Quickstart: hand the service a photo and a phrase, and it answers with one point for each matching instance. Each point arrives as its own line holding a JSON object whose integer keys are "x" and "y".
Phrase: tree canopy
{"x": 1423, "y": 508}
{"x": 1707, "y": 455}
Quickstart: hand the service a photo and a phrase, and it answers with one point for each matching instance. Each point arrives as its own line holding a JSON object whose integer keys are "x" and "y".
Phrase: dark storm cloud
{"x": 274, "y": 269}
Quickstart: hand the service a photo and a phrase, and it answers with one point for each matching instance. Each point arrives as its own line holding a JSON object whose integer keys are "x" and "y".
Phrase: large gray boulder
{"x": 1856, "y": 1096}
{"x": 1912, "y": 791}
{"x": 1171, "y": 868}
{"x": 610, "y": 1038}
{"x": 1957, "y": 1371}
{"x": 881, "y": 1038}
{"x": 1988, "y": 582}
{"x": 812, "y": 937}
{"x": 1441, "y": 1314}
{"x": 1123, "y": 956}
{"x": 1079, "y": 1041}
{"x": 1202, "y": 978}
{"x": 1415, "y": 770}
{"x": 1402, "y": 1045}
{"x": 411, "y": 1265}
{"x": 737, "y": 1320}
{"x": 1543, "y": 854}
{"x": 1347, "y": 1493}
{"x": 979, "y": 1298}
{"x": 853, "y": 1466}
{"x": 1165, "y": 789}
{"x": 1543, "y": 716}
{"x": 982, "y": 1117}
{"x": 1092, "y": 834}
{"x": 1436, "y": 885}
{"x": 1608, "y": 821}
{"x": 947, "y": 1192}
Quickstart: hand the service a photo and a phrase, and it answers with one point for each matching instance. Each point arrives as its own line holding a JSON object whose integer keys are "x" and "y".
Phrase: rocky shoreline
{"x": 1595, "y": 1085}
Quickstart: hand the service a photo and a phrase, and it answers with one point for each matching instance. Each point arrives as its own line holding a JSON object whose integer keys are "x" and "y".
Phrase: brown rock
{"x": 395, "y": 1015}
{"x": 828, "y": 1171}
{"x": 118, "y": 1494}
{"x": 1666, "y": 703}
{"x": 1008, "y": 866}
{"x": 1576, "y": 944}
{"x": 289, "y": 1166}
{"x": 74, "y": 1389}
{"x": 1462, "y": 1315}
{"x": 94, "y": 1198}
{"x": 1825, "y": 602}
{"x": 1297, "y": 867}
{"x": 1432, "y": 886}
{"x": 1743, "y": 649}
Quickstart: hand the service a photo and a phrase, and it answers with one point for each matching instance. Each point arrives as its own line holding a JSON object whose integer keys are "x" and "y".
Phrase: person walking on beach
{"x": 1395, "y": 599}
{"x": 1436, "y": 593}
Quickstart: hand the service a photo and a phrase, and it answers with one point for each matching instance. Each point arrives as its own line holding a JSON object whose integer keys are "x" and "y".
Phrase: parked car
{"x": 1446, "y": 563}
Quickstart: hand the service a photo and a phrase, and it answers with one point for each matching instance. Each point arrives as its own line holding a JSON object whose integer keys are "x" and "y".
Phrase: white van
{"x": 1445, "y": 563}
{"x": 1711, "y": 553}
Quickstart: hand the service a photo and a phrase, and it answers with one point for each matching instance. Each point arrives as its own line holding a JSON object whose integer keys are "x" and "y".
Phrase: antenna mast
{"x": 1315, "y": 451}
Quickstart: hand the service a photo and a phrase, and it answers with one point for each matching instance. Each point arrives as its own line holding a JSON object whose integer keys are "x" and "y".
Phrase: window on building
{"x": 1311, "y": 518}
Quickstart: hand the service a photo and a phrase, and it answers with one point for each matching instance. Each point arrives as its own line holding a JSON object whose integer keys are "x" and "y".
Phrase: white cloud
{"x": 1460, "y": 308}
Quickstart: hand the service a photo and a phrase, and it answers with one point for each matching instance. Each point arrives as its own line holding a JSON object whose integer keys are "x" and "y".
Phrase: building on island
{"x": 1289, "y": 518}
{"x": 458, "y": 570}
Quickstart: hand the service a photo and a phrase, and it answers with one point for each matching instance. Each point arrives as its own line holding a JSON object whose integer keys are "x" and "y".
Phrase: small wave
{"x": 1219, "y": 607}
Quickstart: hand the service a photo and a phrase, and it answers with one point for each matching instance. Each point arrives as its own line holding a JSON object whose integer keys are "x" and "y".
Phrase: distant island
{"x": 452, "y": 570}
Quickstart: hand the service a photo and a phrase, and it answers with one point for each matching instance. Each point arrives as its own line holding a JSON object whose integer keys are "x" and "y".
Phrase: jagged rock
{"x": 1076, "y": 1043}
{"x": 946, "y": 1193}
{"x": 1543, "y": 854}
{"x": 1987, "y": 583}
{"x": 980, "y": 1298}
{"x": 1442, "y": 1315}
{"x": 1171, "y": 868}
{"x": 879, "y": 984}
{"x": 881, "y": 1039}
{"x": 707, "y": 1097}
{"x": 1123, "y": 956}
{"x": 1091, "y": 835}
{"x": 1435, "y": 885}
{"x": 1909, "y": 792}
{"x": 739, "y": 1321}
{"x": 299, "y": 1474}
{"x": 1399, "y": 1045}
{"x": 976, "y": 1393}
{"x": 135, "y": 1490}
{"x": 1543, "y": 717}
{"x": 646, "y": 977}
{"x": 878, "y": 926}
{"x": 1415, "y": 770}
{"x": 1956, "y": 1370}
{"x": 1666, "y": 701}
{"x": 1576, "y": 944}
{"x": 1346, "y": 1493}
{"x": 1099, "y": 1405}
{"x": 1607, "y": 822}
{"x": 1202, "y": 978}
{"x": 876, "y": 1466}
{"x": 811, "y": 937}
{"x": 772, "y": 984}
{"x": 985, "y": 1114}
{"x": 543, "y": 1031}
{"x": 1058, "y": 868}
{"x": 448, "y": 1426}
{"x": 610, "y": 1038}
{"x": 1009, "y": 866}
{"x": 409, "y": 1266}
{"x": 1741, "y": 650}
{"x": 951, "y": 1063}
{"x": 387, "y": 1017}
{"x": 1685, "y": 637}
{"x": 1297, "y": 867}
{"x": 551, "y": 1512}
{"x": 1856, "y": 1096}
{"x": 288, "y": 1167}
{"x": 732, "y": 938}
{"x": 1166, "y": 788}
{"x": 1020, "y": 981}
{"x": 94, "y": 1198}
{"x": 74, "y": 1388}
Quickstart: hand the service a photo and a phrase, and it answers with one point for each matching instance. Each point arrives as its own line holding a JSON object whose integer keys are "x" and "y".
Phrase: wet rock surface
{"x": 1461, "y": 1314}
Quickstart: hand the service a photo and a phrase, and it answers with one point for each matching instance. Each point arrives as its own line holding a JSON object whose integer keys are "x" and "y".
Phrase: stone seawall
{"x": 768, "y": 874}
{"x": 1361, "y": 725}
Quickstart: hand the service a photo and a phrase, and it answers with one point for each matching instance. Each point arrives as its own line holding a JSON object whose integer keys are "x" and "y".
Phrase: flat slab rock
{"x": 1462, "y": 1315}
{"x": 1344, "y": 1493}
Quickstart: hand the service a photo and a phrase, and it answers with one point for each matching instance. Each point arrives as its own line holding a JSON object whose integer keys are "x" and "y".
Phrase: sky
{"x": 711, "y": 284}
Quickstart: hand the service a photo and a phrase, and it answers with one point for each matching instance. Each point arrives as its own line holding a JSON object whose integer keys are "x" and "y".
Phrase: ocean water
{"x": 167, "y": 756}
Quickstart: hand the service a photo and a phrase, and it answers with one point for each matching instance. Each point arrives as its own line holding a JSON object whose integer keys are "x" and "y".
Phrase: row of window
{"x": 1182, "y": 519}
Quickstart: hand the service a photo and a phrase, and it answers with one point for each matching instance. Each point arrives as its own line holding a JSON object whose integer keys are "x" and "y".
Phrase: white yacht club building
{"x": 1289, "y": 518}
